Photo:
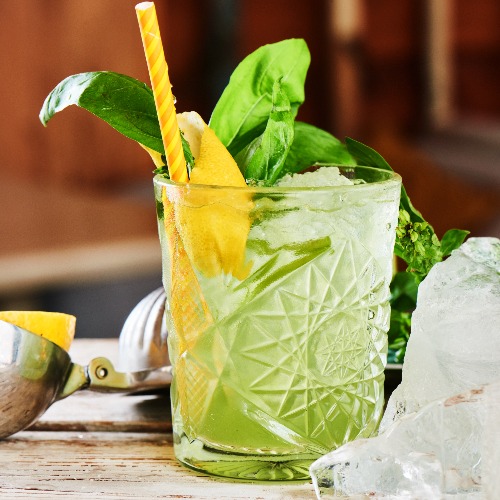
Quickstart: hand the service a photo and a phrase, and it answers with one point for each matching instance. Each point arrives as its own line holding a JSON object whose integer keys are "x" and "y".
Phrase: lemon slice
{"x": 56, "y": 327}
{"x": 155, "y": 156}
{"x": 214, "y": 229}
{"x": 188, "y": 308}
{"x": 208, "y": 234}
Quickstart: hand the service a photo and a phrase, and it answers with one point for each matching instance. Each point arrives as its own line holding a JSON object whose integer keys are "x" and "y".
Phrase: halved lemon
{"x": 56, "y": 327}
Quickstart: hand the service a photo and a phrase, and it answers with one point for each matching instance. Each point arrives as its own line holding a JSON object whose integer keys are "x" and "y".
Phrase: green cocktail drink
{"x": 282, "y": 359}
{"x": 277, "y": 294}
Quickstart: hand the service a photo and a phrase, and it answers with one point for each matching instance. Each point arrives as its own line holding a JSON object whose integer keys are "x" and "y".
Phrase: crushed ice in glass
{"x": 323, "y": 176}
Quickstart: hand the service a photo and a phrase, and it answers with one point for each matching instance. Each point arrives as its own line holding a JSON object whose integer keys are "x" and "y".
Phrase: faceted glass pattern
{"x": 287, "y": 363}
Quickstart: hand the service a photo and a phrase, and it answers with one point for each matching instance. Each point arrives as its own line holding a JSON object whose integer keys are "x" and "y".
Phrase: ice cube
{"x": 455, "y": 338}
{"x": 491, "y": 445}
{"x": 440, "y": 434}
{"x": 445, "y": 450}
{"x": 324, "y": 176}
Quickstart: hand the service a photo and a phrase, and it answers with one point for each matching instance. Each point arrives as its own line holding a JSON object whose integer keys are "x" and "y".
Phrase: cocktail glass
{"x": 277, "y": 310}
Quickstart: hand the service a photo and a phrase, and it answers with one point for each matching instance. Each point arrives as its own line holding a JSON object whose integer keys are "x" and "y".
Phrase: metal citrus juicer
{"x": 35, "y": 372}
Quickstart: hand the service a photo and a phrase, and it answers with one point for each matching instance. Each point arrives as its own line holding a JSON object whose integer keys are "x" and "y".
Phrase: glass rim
{"x": 390, "y": 178}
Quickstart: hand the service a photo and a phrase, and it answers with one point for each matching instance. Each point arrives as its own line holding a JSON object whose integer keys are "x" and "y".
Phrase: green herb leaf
{"x": 368, "y": 157}
{"x": 451, "y": 240}
{"x": 417, "y": 245}
{"x": 123, "y": 102}
{"x": 313, "y": 145}
{"x": 188, "y": 155}
{"x": 264, "y": 158}
{"x": 398, "y": 335}
{"x": 241, "y": 113}
{"x": 403, "y": 292}
{"x": 163, "y": 171}
{"x": 270, "y": 274}
{"x": 160, "y": 210}
{"x": 403, "y": 302}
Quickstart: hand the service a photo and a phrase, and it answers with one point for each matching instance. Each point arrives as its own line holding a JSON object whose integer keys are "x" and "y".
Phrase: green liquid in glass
{"x": 292, "y": 365}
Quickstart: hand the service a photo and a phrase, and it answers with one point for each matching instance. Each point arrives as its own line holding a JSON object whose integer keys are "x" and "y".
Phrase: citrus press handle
{"x": 104, "y": 378}
{"x": 100, "y": 376}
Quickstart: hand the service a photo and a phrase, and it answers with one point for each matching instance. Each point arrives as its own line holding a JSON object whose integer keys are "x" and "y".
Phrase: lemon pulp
{"x": 54, "y": 326}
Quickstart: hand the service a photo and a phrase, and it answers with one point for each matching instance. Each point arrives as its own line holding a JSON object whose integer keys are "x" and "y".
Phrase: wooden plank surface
{"x": 93, "y": 412}
{"x": 115, "y": 466}
{"x": 113, "y": 447}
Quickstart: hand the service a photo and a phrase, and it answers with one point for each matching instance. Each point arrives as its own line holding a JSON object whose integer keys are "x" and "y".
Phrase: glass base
{"x": 261, "y": 467}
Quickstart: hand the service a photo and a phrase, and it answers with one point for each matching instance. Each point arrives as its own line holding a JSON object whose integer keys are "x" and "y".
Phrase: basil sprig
{"x": 123, "y": 102}
{"x": 265, "y": 156}
{"x": 243, "y": 110}
{"x": 255, "y": 116}
{"x": 255, "y": 120}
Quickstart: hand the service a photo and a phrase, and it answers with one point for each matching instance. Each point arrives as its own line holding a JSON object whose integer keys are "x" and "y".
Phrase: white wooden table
{"x": 104, "y": 446}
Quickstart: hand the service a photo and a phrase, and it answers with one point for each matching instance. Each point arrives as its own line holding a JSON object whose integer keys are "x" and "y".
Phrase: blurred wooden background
{"x": 416, "y": 79}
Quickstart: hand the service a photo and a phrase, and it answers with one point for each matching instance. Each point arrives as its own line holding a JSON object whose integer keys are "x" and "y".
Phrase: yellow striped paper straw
{"x": 162, "y": 90}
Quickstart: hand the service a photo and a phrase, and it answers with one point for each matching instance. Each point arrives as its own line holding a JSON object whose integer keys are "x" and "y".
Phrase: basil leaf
{"x": 451, "y": 240}
{"x": 403, "y": 301}
{"x": 244, "y": 157}
{"x": 398, "y": 335}
{"x": 123, "y": 102}
{"x": 163, "y": 171}
{"x": 269, "y": 151}
{"x": 313, "y": 145}
{"x": 365, "y": 155}
{"x": 188, "y": 155}
{"x": 403, "y": 292}
{"x": 368, "y": 157}
{"x": 243, "y": 109}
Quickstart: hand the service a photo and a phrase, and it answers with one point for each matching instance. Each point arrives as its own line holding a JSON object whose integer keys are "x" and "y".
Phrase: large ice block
{"x": 440, "y": 435}
{"x": 455, "y": 338}
{"x": 448, "y": 449}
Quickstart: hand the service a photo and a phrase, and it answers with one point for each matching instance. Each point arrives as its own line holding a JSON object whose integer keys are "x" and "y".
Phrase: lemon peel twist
{"x": 213, "y": 226}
